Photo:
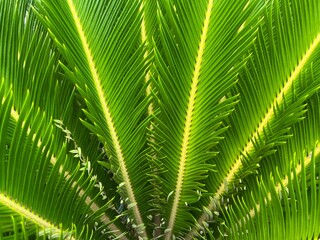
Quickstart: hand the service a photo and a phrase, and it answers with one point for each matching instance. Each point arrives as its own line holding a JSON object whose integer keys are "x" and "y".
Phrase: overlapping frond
{"x": 35, "y": 183}
{"x": 280, "y": 77}
{"x": 283, "y": 207}
{"x": 28, "y": 63}
{"x": 300, "y": 146}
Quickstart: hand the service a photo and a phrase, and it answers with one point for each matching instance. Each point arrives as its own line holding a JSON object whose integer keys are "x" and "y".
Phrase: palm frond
{"x": 109, "y": 67}
{"x": 190, "y": 90}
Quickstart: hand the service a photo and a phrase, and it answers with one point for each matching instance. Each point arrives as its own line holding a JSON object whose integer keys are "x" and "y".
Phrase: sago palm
{"x": 159, "y": 119}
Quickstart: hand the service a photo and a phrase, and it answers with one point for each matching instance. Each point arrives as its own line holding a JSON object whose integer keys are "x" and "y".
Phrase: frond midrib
{"x": 269, "y": 115}
{"x": 26, "y": 213}
{"x": 188, "y": 120}
{"x": 107, "y": 115}
{"x": 147, "y": 76}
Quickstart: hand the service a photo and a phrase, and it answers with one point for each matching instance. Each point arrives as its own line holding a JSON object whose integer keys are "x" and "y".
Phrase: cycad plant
{"x": 159, "y": 119}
